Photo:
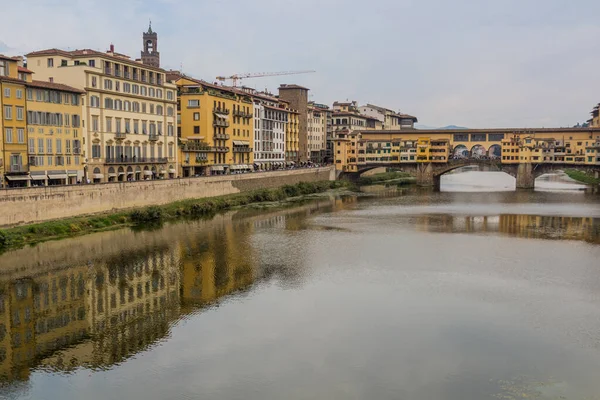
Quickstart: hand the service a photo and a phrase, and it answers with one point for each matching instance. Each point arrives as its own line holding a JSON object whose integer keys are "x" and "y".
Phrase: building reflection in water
{"x": 108, "y": 296}
{"x": 522, "y": 226}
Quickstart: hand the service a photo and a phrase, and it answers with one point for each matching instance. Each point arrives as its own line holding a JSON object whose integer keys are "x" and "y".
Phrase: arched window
{"x": 159, "y": 110}
{"x": 95, "y": 101}
{"x": 151, "y": 92}
{"x": 170, "y": 111}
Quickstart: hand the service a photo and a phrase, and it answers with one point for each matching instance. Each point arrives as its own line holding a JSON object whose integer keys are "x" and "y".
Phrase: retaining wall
{"x": 31, "y": 205}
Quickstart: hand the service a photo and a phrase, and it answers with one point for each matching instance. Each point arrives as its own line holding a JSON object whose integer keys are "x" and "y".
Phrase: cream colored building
{"x": 317, "y": 133}
{"x": 129, "y": 113}
{"x": 389, "y": 119}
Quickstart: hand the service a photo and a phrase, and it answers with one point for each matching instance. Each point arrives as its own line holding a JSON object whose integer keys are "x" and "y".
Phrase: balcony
{"x": 153, "y": 137}
{"x": 120, "y": 135}
{"x": 221, "y": 110}
{"x": 76, "y": 151}
{"x": 221, "y": 123}
{"x": 242, "y": 149}
{"x": 136, "y": 160}
{"x": 242, "y": 114}
{"x": 221, "y": 136}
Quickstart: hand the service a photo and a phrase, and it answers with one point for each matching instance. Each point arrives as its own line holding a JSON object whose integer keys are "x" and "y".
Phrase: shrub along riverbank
{"x": 29, "y": 234}
{"x": 582, "y": 177}
{"x": 391, "y": 177}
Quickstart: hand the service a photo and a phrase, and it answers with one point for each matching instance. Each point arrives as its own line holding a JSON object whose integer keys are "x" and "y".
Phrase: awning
{"x": 162, "y": 172}
{"x": 57, "y": 175}
{"x": 18, "y": 177}
{"x": 225, "y": 116}
{"x": 98, "y": 176}
{"x": 72, "y": 173}
{"x": 121, "y": 173}
{"x": 172, "y": 171}
{"x": 148, "y": 173}
{"x": 235, "y": 167}
{"x": 112, "y": 175}
{"x": 217, "y": 168}
{"x": 130, "y": 173}
{"x": 38, "y": 175}
{"x": 241, "y": 143}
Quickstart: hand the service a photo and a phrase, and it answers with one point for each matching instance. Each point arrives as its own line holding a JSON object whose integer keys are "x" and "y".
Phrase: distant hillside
{"x": 419, "y": 126}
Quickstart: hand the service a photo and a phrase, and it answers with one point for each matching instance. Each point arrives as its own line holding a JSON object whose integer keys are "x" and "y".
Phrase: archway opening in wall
{"x": 495, "y": 152}
{"x": 129, "y": 175}
{"x": 138, "y": 173}
{"x": 460, "y": 152}
{"x": 112, "y": 175}
{"x": 97, "y": 175}
{"x": 121, "y": 174}
{"x": 478, "y": 152}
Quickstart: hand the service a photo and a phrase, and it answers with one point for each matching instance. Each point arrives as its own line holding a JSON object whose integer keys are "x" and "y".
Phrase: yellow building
{"x": 292, "y": 137}
{"x": 215, "y": 127}
{"x": 128, "y": 119}
{"x": 14, "y": 167}
{"x": 54, "y": 131}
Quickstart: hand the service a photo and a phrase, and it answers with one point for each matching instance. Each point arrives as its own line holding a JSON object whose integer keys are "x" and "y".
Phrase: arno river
{"x": 409, "y": 294}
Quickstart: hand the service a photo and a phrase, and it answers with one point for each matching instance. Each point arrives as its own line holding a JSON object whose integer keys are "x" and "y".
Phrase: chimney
{"x": 112, "y": 48}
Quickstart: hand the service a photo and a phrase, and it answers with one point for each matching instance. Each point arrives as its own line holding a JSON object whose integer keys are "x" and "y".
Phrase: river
{"x": 474, "y": 292}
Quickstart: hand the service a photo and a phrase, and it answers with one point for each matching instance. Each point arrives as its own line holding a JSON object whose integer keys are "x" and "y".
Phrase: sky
{"x": 473, "y": 63}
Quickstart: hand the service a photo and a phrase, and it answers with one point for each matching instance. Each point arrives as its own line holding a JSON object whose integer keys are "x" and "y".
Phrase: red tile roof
{"x": 24, "y": 70}
{"x": 293, "y": 86}
{"x": 54, "y": 86}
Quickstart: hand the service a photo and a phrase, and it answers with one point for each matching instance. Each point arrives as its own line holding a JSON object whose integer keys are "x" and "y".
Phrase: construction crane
{"x": 235, "y": 78}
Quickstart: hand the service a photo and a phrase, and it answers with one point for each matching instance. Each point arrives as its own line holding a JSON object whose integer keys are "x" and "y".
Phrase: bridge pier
{"x": 525, "y": 176}
{"x": 425, "y": 176}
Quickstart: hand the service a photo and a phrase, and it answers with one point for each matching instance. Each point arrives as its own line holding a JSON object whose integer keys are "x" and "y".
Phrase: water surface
{"x": 410, "y": 294}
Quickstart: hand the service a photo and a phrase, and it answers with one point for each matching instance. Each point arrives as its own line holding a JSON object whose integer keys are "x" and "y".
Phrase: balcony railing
{"x": 242, "y": 149}
{"x": 136, "y": 160}
{"x": 221, "y": 136}
{"x": 221, "y": 123}
{"x": 153, "y": 137}
{"x": 221, "y": 110}
{"x": 204, "y": 148}
{"x": 120, "y": 135}
{"x": 242, "y": 114}
{"x": 108, "y": 70}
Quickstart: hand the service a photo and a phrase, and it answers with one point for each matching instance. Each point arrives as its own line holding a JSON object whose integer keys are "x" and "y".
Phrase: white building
{"x": 270, "y": 119}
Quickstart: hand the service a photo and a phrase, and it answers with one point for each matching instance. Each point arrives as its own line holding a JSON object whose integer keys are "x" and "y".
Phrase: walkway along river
{"x": 406, "y": 294}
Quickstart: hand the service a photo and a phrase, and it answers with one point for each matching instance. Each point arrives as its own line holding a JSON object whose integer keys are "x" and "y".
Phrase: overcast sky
{"x": 475, "y": 63}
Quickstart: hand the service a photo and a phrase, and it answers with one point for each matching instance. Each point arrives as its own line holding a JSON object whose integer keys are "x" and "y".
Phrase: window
{"x": 143, "y": 107}
{"x": 118, "y": 125}
{"x": 95, "y": 101}
{"x": 495, "y": 137}
{"x": 94, "y": 81}
{"x": 136, "y": 126}
{"x": 7, "y": 112}
{"x": 169, "y": 95}
{"x": 107, "y": 84}
{"x": 40, "y": 146}
{"x": 151, "y": 92}
{"x": 19, "y": 93}
{"x": 31, "y": 146}
{"x": 170, "y": 111}
{"x": 144, "y": 90}
{"x": 159, "y": 110}
{"x": 59, "y": 146}
{"x": 6, "y": 92}
{"x": 9, "y": 135}
{"x": 127, "y": 105}
{"x": 3, "y": 68}
{"x": 50, "y": 62}
{"x": 127, "y": 87}
{"x": 151, "y": 108}
{"x": 63, "y": 63}
{"x": 127, "y": 126}
{"x": 458, "y": 137}
{"x": 92, "y": 63}
{"x": 94, "y": 123}
{"x": 20, "y": 112}
{"x": 196, "y": 116}
{"x": 135, "y": 89}
{"x": 30, "y": 94}
{"x": 96, "y": 151}
{"x": 21, "y": 135}
{"x": 159, "y": 93}
{"x": 196, "y": 129}
{"x": 49, "y": 145}
{"x": 108, "y": 124}
{"x": 135, "y": 106}
{"x": 170, "y": 130}
{"x": 193, "y": 103}
{"x": 117, "y": 86}
{"x": 108, "y": 103}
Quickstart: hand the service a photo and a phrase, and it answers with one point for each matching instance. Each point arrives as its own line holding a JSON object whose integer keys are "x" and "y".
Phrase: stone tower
{"x": 150, "y": 54}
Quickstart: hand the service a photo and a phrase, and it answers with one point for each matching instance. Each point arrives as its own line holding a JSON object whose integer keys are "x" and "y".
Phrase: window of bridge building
{"x": 495, "y": 137}
{"x": 460, "y": 137}
{"x": 478, "y": 137}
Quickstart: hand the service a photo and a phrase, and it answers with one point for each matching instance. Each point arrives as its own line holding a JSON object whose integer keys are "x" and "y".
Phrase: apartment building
{"x": 317, "y": 133}
{"x": 215, "y": 127}
{"x": 297, "y": 97}
{"x": 270, "y": 122}
{"x": 128, "y": 117}
{"x": 390, "y": 120}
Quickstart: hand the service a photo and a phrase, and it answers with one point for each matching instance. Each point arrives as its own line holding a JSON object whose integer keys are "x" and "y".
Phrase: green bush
{"x": 4, "y": 240}
{"x": 149, "y": 214}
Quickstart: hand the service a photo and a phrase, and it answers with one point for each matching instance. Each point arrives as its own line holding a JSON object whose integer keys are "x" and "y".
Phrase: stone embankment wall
{"x": 31, "y": 205}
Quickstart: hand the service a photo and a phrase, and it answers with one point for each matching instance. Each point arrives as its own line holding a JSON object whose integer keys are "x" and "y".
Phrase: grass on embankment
{"x": 391, "y": 177}
{"x": 582, "y": 177}
{"x": 29, "y": 234}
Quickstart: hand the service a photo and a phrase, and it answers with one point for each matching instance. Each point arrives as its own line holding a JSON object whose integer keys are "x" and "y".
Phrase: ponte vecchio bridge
{"x": 428, "y": 154}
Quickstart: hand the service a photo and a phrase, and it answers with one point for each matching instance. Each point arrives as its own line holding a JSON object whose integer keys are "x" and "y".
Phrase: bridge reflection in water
{"x": 522, "y": 226}
{"x": 96, "y": 301}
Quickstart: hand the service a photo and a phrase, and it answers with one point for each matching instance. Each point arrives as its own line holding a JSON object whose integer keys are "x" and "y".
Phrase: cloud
{"x": 475, "y": 63}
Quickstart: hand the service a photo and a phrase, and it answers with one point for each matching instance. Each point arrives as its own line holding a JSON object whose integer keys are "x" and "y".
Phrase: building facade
{"x": 317, "y": 134}
{"x": 270, "y": 128}
{"x": 390, "y": 120}
{"x": 297, "y": 97}
{"x": 215, "y": 127}
{"x": 292, "y": 134}
{"x": 128, "y": 117}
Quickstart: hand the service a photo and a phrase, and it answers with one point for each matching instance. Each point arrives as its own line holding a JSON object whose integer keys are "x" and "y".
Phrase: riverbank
{"x": 191, "y": 208}
{"x": 400, "y": 178}
{"x": 582, "y": 177}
